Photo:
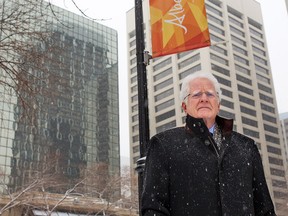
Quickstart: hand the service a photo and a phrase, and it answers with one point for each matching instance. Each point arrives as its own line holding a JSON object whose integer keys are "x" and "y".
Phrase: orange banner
{"x": 177, "y": 26}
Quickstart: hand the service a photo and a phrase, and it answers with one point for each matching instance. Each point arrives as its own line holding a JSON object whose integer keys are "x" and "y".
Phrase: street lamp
{"x": 142, "y": 61}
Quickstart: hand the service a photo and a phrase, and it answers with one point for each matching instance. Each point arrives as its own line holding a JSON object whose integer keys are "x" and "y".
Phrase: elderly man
{"x": 204, "y": 168}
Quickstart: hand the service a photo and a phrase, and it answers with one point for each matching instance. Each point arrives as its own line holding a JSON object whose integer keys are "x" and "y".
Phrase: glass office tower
{"x": 68, "y": 124}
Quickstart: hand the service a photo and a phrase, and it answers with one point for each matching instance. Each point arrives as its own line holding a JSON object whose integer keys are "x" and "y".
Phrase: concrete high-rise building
{"x": 74, "y": 127}
{"x": 284, "y": 126}
{"x": 242, "y": 67}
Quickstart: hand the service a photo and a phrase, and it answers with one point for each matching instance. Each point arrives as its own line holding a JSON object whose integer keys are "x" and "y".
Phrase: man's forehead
{"x": 201, "y": 83}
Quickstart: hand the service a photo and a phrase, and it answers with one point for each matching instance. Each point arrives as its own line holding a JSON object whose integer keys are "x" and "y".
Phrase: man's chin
{"x": 204, "y": 114}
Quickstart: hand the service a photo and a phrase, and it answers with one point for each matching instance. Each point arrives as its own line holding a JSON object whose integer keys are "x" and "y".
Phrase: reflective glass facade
{"x": 70, "y": 124}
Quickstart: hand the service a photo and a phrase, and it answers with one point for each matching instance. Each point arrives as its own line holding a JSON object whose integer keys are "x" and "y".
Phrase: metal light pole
{"x": 142, "y": 61}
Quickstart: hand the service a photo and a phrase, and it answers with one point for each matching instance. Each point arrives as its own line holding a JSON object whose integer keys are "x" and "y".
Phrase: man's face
{"x": 202, "y": 101}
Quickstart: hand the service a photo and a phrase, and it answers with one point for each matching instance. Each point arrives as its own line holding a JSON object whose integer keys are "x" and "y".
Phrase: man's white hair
{"x": 185, "y": 88}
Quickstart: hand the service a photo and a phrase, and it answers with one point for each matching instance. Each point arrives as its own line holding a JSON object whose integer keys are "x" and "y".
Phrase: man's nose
{"x": 203, "y": 97}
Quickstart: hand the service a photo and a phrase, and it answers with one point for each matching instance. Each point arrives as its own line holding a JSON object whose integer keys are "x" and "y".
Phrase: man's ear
{"x": 218, "y": 108}
{"x": 184, "y": 106}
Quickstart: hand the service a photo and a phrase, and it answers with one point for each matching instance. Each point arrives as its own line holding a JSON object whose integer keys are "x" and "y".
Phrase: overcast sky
{"x": 114, "y": 11}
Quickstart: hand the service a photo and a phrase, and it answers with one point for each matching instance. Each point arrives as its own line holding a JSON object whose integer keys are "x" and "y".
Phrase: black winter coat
{"x": 185, "y": 176}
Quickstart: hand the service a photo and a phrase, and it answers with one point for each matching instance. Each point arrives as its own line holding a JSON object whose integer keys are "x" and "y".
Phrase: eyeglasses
{"x": 198, "y": 95}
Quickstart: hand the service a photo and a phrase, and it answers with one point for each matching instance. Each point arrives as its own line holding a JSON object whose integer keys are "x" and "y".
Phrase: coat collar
{"x": 198, "y": 126}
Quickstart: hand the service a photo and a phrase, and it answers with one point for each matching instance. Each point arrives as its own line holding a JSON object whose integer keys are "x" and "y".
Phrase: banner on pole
{"x": 177, "y": 26}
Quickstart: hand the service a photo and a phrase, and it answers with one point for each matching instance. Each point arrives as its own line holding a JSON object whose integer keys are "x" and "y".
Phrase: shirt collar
{"x": 211, "y": 129}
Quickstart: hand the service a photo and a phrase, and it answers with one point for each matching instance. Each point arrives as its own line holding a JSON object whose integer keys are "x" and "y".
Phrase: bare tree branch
{"x": 85, "y": 15}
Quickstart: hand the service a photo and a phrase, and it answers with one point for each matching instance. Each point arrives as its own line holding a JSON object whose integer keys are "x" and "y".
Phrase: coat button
{"x": 207, "y": 143}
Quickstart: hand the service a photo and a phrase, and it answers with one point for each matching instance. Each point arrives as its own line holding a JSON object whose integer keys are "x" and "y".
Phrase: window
{"x": 226, "y": 114}
{"x": 278, "y": 183}
{"x": 256, "y": 33}
{"x": 220, "y": 69}
{"x": 182, "y": 54}
{"x": 134, "y": 98}
{"x": 133, "y": 52}
{"x": 189, "y": 61}
{"x": 134, "y": 108}
{"x": 251, "y": 133}
{"x": 162, "y": 64}
{"x": 237, "y": 31}
{"x": 260, "y": 60}
{"x": 164, "y": 105}
{"x": 243, "y": 79}
{"x": 132, "y": 43}
{"x": 133, "y": 61}
{"x": 223, "y": 81}
{"x": 275, "y": 161}
{"x": 277, "y": 172}
{"x": 267, "y": 108}
{"x": 273, "y": 150}
{"x": 216, "y": 2}
{"x": 261, "y": 69}
{"x": 216, "y": 39}
{"x": 263, "y": 79}
{"x": 246, "y": 100}
{"x": 234, "y": 12}
{"x": 237, "y": 40}
{"x": 239, "y": 50}
{"x": 166, "y": 126}
{"x": 189, "y": 71}
{"x": 135, "y": 128}
{"x": 226, "y": 93}
{"x": 132, "y": 34}
{"x": 134, "y": 118}
{"x": 264, "y": 88}
{"x": 242, "y": 69}
{"x": 133, "y": 79}
{"x": 166, "y": 115}
{"x": 235, "y": 22}
{"x": 134, "y": 88}
{"x": 135, "y": 159}
{"x": 250, "y": 122}
{"x": 215, "y": 20}
{"x": 213, "y": 10}
{"x": 133, "y": 70}
{"x": 219, "y": 50}
{"x": 227, "y": 104}
{"x": 268, "y": 118}
{"x": 259, "y": 51}
{"x": 163, "y": 84}
{"x": 245, "y": 90}
{"x": 219, "y": 59}
{"x": 216, "y": 29}
{"x": 248, "y": 111}
{"x": 254, "y": 23}
{"x": 241, "y": 60}
{"x": 266, "y": 98}
{"x": 136, "y": 148}
{"x": 162, "y": 74}
{"x": 272, "y": 139}
{"x": 280, "y": 195}
{"x": 57, "y": 213}
{"x": 270, "y": 129}
{"x": 258, "y": 42}
{"x": 135, "y": 139}
{"x": 164, "y": 94}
